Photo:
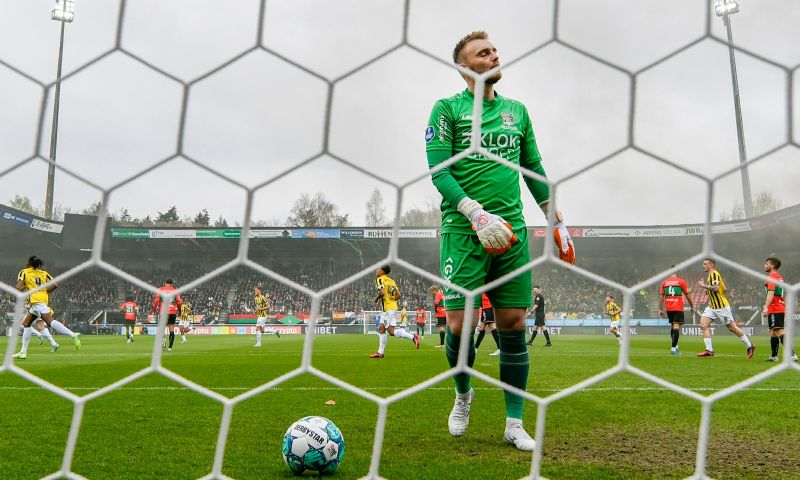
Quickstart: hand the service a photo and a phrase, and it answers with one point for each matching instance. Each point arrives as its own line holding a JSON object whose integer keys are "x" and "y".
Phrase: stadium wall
{"x": 214, "y": 330}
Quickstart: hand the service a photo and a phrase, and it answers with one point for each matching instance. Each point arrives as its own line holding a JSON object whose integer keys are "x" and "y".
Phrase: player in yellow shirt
{"x": 613, "y": 311}
{"x": 388, "y": 295}
{"x": 718, "y": 309}
{"x": 184, "y": 321}
{"x": 262, "y": 310}
{"x": 32, "y": 278}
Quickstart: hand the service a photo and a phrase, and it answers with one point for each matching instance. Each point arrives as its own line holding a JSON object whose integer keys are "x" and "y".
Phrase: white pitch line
{"x": 359, "y": 353}
{"x": 301, "y": 389}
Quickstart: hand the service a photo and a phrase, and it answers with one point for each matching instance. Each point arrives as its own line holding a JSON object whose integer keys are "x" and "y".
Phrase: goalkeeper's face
{"x": 481, "y": 56}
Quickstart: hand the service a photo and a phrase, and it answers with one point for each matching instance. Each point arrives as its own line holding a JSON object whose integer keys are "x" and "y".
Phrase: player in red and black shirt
{"x": 774, "y": 307}
{"x": 487, "y": 319}
{"x": 164, "y": 293}
{"x": 129, "y": 309}
{"x": 440, "y": 313}
{"x": 420, "y": 315}
{"x": 672, "y": 291}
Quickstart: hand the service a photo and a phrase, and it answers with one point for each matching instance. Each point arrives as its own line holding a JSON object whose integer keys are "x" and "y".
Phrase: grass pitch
{"x": 621, "y": 428}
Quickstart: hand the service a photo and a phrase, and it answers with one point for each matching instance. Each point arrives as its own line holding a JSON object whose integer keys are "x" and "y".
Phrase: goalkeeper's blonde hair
{"x": 477, "y": 35}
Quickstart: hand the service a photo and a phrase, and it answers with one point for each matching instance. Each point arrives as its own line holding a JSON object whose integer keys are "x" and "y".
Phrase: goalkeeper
{"x": 484, "y": 236}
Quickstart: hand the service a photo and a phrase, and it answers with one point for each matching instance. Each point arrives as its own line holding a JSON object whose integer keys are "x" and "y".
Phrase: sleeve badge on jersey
{"x": 429, "y": 134}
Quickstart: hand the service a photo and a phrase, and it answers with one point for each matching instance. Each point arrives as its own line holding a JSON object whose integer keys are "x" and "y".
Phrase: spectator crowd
{"x": 568, "y": 294}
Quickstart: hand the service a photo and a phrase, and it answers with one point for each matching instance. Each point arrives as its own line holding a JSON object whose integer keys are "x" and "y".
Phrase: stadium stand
{"x": 319, "y": 263}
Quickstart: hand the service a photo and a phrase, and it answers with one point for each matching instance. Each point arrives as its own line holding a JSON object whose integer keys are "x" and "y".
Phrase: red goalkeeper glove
{"x": 566, "y": 249}
{"x": 494, "y": 233}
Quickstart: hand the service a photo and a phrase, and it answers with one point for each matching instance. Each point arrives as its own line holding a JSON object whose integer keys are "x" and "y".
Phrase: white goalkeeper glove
{"x": 494, "y": 233}
{"x": 566, "y": 249}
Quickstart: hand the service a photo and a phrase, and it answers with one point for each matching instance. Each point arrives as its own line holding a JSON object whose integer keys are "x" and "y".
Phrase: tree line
{"x": 308, "y": 211}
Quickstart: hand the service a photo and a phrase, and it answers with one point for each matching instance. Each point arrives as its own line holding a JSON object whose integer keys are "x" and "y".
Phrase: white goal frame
{"x": 370, "y": 327}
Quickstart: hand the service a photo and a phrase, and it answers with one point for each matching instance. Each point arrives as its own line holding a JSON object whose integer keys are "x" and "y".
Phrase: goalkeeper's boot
{"x": 55, "y": 348}
{"x": 516, "y": 435}
{"x": 459, "y": 416}
{"x": 77, "y": 340}
{"x": 20, "y": 355}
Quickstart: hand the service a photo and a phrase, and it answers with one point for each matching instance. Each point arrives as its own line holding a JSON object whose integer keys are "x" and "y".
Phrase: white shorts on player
{"x": 38, "y": 309}
{"x": 614, "y": 324}
{"x": 185, "y": 324}
{"x": 389, "y": 318}
{"x": 721, "y": 315}
{"x": 261, "y": 322}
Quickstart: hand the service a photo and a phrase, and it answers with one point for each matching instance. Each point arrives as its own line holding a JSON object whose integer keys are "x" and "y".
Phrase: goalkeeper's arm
{"x": 494, "y": 233}
{"x": 531, "y": 159}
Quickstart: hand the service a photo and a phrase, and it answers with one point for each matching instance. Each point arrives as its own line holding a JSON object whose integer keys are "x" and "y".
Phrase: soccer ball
{"x": 313, "y": 443}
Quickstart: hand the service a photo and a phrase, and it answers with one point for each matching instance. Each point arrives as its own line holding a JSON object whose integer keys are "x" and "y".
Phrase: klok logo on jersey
{"x": 491, "y": 139}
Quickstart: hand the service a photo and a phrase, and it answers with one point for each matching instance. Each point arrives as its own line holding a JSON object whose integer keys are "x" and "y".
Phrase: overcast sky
{"x": 260, "y": 115}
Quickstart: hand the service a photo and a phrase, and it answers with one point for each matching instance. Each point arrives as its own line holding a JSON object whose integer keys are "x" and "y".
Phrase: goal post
{"x": 371, "y": 318}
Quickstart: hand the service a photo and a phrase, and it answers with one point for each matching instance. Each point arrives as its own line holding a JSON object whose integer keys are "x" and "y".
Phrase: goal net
{"x": 371, "y": 319}
{"x": 292, "y": 129}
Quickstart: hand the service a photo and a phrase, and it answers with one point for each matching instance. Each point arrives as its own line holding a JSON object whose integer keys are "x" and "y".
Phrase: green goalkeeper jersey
{"x": 506, "y": 131}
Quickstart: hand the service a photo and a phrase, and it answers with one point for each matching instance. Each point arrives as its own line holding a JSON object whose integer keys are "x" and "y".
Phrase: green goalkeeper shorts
{"x": 464, "y": 262}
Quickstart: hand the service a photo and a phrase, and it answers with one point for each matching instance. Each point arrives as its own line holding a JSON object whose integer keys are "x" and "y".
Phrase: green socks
{"x": 514, "y": 366}
{"x": 452, "y": 345}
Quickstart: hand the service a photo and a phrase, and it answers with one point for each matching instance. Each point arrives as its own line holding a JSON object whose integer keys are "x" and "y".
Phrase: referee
{"x": 538, "y": 315}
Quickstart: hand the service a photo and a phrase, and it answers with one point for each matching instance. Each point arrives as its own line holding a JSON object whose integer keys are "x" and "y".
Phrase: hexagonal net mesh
{"x": 632, "y": 73}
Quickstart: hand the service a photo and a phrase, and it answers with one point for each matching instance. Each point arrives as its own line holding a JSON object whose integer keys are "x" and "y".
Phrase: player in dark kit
{"x": 538, "y": 317}
{"x": 672, "y": 291}
{"x": 419, "y": 316}
{"x": 439, "y": 312}
{"x": 173, "y": 307}
{"x": 487, "y": 321}
{"x": 130, "y": 310}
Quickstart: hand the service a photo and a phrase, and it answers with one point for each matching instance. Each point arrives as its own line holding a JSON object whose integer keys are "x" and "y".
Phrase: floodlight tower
{"x": 724, "y": 9}
{"x": 64, "y": 12}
